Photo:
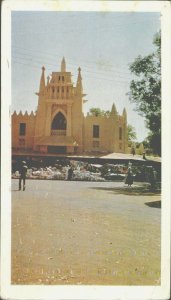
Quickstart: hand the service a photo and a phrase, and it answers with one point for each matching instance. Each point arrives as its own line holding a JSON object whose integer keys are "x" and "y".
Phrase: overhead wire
{"x": 115, "y": 79}
{"x": 87, "y": 71}
{"x": 82, "y": 64}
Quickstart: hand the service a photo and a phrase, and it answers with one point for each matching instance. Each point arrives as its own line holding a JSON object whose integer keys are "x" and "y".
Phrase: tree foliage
{"x": 145, "y": 92}
{"x": 131, "y": 133}
{"x": 96, "y": 112}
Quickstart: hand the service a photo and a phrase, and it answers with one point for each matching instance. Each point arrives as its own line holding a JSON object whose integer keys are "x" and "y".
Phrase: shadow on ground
{"x": 133, "y": 191}
{"x": 155, "y": 204}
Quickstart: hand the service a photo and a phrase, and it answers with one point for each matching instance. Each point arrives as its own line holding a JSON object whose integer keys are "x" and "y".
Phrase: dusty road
{"x": 85, "y": 233}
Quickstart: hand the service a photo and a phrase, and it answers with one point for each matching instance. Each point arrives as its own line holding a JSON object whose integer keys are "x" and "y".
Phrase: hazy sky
{"x": 103, "y": 44}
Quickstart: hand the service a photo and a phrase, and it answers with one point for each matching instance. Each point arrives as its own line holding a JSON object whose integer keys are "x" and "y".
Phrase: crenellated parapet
{"x": 22, "y": 115}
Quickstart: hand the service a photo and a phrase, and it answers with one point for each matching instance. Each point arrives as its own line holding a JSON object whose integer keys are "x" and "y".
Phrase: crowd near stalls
{"x": 83, "y": 171}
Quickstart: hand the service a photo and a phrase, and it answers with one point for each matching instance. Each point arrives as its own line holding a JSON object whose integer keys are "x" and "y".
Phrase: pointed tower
{"x": 48, "y": 79}
{"x": 42, "y": 81}
{"x": 63, "y": 65}
{"x": 125, "y": 131}
{"x": 41, "y": 109}
{"x": 124, "y": 114}
{"x": 79, "y": 82}
{"x": 113, "y": 110}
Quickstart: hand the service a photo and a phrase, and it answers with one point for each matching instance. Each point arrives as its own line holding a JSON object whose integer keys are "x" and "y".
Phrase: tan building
{"x": 59, "y": 125}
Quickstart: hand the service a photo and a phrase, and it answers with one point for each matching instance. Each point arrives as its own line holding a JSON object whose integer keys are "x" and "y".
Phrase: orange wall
{"x": 30, "y": 130}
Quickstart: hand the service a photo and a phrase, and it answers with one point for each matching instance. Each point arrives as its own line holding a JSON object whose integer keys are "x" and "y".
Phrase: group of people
{"x": 151, "y": 177}
{"x": 128, "y": 179}
{"x": 23, "y": 171}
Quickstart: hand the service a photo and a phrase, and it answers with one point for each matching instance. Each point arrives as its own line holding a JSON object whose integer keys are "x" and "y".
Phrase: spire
{"x": 48, "y": 79}
{"x": 79, "y": 81}
{"x": 124, "y": 114}
{"x": 113, "y": 110}
{"x": 63, "y": 65}
{"x": 42, "y": 80}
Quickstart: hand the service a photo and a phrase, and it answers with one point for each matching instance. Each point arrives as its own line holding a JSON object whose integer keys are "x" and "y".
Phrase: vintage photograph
{"x": 86, "y": 140}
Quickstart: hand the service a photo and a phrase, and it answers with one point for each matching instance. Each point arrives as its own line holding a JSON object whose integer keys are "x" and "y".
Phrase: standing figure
{"x": 133, "y": 151}
{"x": 70, "y": 172}
{"x": 129, "y": 177}
{"x": 23, "y": 172}
{"x": 153, "y": 178}
{"x": 144, "y": 155}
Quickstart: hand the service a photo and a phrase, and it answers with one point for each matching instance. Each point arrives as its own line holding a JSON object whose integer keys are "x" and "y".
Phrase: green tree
{"x": 131, "y": 134}
{"x": 145, "y": 92}
{"x": 96, "y": 111}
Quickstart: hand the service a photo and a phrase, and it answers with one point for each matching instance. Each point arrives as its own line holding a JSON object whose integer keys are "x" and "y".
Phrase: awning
{"x": 57, "y": 141}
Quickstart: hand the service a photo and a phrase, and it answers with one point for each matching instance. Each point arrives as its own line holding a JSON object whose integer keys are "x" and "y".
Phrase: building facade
{"x": 59, "y": 125}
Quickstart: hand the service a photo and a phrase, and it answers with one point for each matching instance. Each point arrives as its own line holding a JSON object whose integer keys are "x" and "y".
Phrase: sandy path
{"x": 84, "y": 233}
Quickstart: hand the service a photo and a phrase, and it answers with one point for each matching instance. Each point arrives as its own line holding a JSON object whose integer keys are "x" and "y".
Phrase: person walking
{"x": 70, "y": 172}
{"x": 133, "y": 151}
{"x": 129, "y": 178}
{"x": 152, "y": 178}
{"x": 22, "y": 178}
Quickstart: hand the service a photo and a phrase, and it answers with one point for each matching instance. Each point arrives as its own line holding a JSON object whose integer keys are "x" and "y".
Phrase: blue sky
{"x": 103, "y": 44}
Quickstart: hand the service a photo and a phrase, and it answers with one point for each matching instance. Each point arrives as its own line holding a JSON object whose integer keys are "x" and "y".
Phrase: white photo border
{"x": 83, "y": 292}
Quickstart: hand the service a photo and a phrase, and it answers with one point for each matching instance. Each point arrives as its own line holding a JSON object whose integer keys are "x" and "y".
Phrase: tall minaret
{"x": 41, "y": 110}
{"x": 63, "y": 65}
{"x": 79, "y": 82}
{"x": 42, "y": 81}
{"x": 125, "y": 134}
{"x": 113, "y": 110}
{"x": 124, "y": 114}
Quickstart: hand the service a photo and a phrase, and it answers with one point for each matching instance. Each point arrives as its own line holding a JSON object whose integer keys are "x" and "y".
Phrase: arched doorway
{"x": 59, "y": 122}
{"x": 58, "y": 128}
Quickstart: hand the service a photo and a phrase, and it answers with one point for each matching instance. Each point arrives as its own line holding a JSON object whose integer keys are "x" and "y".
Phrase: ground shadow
{"x": 155, "y": 204}
{"x": 133, "y": 191}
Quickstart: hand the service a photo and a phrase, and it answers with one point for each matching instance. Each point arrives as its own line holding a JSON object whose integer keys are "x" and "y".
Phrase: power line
{"x": 99, "y": 78}
{"x": 99, "y": 73}
{"x": 50, "y": 54}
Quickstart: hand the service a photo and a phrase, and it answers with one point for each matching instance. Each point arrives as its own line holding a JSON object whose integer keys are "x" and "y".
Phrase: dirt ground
{"x": 96, "y": 233}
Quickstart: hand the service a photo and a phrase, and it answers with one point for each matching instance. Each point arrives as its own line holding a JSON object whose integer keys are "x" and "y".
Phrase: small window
{"x": 120, "y": 133}
{"x": 58, "y": 89}
{"x": 96, "y": 131}
{"x": 120, "y": 146}
{"x": 62, "y": 78}
{"x": 62, "y": 89}
{"x": 59, "y": 78}
{"x": 95, "y": 144}
{"x": 22, "y": 130}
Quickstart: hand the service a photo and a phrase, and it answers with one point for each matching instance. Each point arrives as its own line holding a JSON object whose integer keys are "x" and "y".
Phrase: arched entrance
{"x": 58, "y": 128}
{"x": 59, "y": 122}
